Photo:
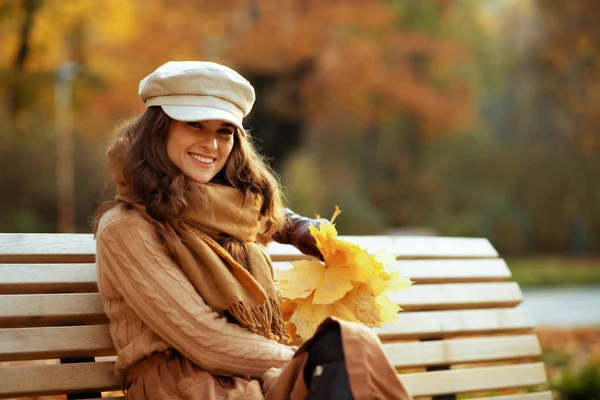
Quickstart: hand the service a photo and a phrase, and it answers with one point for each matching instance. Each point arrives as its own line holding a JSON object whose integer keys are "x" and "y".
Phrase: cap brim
{"x": 196, "y": 113}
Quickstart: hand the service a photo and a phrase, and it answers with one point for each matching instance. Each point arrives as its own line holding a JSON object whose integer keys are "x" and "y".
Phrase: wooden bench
{"x": 462, "y": 330}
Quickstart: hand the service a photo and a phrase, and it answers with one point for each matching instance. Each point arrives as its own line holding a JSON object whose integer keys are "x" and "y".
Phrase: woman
{"x": 182, "y": 270}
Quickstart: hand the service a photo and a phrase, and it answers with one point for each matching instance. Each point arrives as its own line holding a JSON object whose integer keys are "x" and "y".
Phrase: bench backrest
{"x": 461, "y": 331}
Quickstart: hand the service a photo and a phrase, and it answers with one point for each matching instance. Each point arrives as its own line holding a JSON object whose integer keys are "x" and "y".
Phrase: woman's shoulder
{"x": 122, "y": 217}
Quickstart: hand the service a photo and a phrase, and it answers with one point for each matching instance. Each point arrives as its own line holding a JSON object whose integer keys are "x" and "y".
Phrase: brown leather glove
{"x": 297, "y": 233}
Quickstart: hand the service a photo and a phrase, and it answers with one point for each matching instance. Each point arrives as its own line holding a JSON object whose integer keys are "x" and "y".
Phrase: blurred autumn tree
{"x": 446, "y": 114}
{"x": 401, "y": 85}
{"x": 334, "y": 67}
{"x": 545, "y": 122}
{"x": 567, "y": 64}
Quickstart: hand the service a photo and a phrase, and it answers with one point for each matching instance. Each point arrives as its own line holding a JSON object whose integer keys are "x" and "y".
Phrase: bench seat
{"x": 462, "y": 331}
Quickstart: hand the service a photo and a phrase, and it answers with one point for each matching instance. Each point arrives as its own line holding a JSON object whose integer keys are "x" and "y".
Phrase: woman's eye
{"x": 226, "y": 131}
{"x": 194, "y": 124}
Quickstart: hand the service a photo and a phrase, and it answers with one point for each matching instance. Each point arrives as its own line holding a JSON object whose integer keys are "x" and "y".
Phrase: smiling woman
{"x": 183, "y": 272}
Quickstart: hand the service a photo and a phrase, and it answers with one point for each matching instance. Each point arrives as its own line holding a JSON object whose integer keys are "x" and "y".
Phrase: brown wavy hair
{"x": 161, "y": 186}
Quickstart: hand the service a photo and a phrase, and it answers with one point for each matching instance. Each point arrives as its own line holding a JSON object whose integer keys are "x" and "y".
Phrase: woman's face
{"x": 200, "y": 149}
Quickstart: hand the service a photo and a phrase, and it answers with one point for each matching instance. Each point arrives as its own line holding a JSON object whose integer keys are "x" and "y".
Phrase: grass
{"x": 555, "y": 271}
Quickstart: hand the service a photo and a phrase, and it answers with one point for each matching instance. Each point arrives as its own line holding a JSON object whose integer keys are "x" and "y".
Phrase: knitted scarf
{"x": 214, "y": 244}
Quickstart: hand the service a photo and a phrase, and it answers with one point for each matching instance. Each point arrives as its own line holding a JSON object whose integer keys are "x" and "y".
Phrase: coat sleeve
{"x": 134, "y": 260}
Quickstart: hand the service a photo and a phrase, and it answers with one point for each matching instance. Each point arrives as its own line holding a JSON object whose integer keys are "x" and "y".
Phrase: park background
{"x": 474, "y": 118}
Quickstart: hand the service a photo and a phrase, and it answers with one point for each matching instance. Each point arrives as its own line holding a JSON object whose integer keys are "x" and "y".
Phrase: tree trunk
{"x": 278, "y": 133}
{"x": 15, "y": 94}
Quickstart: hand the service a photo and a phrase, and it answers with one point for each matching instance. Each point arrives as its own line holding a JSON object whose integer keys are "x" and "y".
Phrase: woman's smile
{"x": 203, "y": 161}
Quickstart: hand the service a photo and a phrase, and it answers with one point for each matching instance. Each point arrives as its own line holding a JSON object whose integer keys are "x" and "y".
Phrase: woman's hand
{"x": 297, "y": 233}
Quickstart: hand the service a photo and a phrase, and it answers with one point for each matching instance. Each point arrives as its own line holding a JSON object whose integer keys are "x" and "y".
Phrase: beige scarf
{"x": 214, "y": 244}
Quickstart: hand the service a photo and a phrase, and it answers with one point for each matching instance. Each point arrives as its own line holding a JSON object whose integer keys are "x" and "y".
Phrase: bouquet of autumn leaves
{"x": 349, "y": 284}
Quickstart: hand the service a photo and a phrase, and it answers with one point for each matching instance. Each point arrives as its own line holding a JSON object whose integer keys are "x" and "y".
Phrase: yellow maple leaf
{"x": 388, "y": 310}
{"x": 308, "y": 317}
{"x": 382, "y": 281}
{"x": 300, "y": 281}
{"x": 385, "y": 258}
{"x": 358, "y": 306}
{"x": 397, "y": 282}
{"x": 292, "y": 334}
{"x": 325, "y": 236}
{"x": 330, "y": 282}
{"x": 287, "y": 308}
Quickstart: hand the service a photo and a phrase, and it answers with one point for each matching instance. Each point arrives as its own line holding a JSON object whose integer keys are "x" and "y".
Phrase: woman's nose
{"x": 209, "y": 141}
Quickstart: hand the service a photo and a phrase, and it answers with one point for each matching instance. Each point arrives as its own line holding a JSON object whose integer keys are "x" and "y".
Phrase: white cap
{"x": 199, "y": 91}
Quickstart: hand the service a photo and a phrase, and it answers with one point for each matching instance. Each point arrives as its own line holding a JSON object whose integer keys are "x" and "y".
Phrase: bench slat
{"x": 69, "y": 378}
{"x": 455, "y": 296}
{"x": 53, "y": 343}
{"x": 444, "y": 324}
{"x": 444, "y": 271}
{"x": 524, "y": 396}
{"x": 47, "y": 247}
{"x": 63, "y": 248}
{"x": 30, "y": 310}
{"x": 456, "y": 351}
{"x": 411, "y": 326}
{"x": 474, "y": 379}
{"x": 81, "y": 278}
{"x": 406, "y": 247}
{"x": 427, "y": 246}
{"x": 87, "y": 341}
{"x": 47, "y": 278}
{"x": 450, "y": 271}
{"x": 51, "y": 379}
{"x": 86, "y": 308}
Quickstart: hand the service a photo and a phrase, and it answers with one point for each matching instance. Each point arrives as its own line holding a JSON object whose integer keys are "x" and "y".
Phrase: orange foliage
{"x": 364, "y": 65}
{"x": 568, "y": 63}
